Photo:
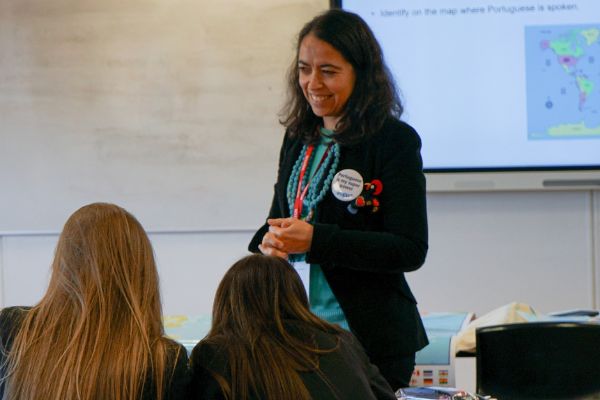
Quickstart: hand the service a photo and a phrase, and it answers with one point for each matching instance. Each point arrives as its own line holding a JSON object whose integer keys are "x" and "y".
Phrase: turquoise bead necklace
{"x": 319, "y": 184}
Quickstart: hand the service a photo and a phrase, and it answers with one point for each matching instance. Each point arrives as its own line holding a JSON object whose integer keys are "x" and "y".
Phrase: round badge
{"x": 347, "y": 185}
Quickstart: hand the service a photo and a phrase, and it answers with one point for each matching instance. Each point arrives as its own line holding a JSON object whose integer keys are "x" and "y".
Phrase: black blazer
{"x": 364, "y": 256}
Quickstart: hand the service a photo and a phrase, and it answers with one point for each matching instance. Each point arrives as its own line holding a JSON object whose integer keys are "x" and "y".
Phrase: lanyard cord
{"x": 301, "y": 193}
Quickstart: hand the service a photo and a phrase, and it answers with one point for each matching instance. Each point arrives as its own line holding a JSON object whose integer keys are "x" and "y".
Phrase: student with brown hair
{"x": 265, "y": 343}
{"x": 97, "y": 333}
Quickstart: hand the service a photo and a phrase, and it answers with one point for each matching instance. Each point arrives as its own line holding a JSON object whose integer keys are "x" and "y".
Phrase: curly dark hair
{"x": 374, "y": 98}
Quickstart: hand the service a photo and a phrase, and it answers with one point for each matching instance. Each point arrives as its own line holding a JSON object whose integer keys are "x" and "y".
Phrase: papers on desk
{"x": 517, "y": 313}
{"x": 509, "y": 313}
{"x": 578, "y": 312}
{"x": 422, "y": 393}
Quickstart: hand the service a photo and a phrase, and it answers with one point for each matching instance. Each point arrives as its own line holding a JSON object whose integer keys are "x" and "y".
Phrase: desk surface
{"x": 440, "y": 327}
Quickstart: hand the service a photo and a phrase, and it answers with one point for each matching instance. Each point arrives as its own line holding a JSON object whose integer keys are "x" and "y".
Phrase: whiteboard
{"x": 167, "y": 108}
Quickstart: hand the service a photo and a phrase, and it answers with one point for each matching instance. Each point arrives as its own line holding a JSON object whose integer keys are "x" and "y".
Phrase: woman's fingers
{"x": 270, "y": 251}
{"x": 290, "y": 235}
{"x": 270, "y": 240}
{"x": 280, "y": 222}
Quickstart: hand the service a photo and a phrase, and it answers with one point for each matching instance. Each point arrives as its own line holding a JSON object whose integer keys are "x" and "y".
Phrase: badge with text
{"x": 347, "y": 185}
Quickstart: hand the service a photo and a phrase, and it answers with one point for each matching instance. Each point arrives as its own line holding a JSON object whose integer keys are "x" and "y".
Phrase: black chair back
{"x": 538, "y": 360}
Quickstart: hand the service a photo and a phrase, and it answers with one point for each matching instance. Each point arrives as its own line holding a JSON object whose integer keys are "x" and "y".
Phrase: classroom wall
{"x": 165, "y": 107}
{"x": 69, "y": 137}
{"x": 486, "y": 250}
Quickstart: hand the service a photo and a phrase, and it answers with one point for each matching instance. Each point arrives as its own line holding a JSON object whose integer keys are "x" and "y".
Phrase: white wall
{"x": 486, "y": 249}
{"x": 219, "y": 69}
{"x": 142, "y": 103}
{"x": 489, "y": 249}
{"x": 190, "y": 266}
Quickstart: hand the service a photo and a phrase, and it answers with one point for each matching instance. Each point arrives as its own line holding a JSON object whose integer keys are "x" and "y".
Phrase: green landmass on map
{"x": 579, "y": 129}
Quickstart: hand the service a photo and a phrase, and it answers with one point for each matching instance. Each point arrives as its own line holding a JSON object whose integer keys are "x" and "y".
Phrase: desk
{"x": 435, "y": 363}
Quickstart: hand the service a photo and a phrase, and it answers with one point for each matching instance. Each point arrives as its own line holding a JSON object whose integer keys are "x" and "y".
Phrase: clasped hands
{"x": 286, "y": 236}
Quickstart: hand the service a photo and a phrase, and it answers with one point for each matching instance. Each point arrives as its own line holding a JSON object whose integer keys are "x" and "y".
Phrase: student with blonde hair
{"x": 265, "y": 343}
{"x": 97, "y": 333}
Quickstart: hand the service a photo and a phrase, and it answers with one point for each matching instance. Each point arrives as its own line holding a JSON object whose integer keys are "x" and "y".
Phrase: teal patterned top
{"x": 323, "y": 302}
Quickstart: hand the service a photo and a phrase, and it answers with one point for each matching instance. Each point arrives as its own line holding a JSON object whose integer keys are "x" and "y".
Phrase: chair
{"x": 538, "y": 360}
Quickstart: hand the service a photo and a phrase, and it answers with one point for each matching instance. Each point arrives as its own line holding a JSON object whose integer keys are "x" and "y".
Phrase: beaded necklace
{"x": 318, "y": 184}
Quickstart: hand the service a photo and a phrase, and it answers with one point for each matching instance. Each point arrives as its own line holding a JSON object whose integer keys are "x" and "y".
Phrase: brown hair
{"x": 97, "y": 333}
{"x": 254, "y": 301}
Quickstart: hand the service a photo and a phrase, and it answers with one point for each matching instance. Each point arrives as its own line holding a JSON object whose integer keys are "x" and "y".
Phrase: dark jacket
{"x": 347, "y": 369}
{"x": 176, "y": 383}
{"x": 364, "y": 256}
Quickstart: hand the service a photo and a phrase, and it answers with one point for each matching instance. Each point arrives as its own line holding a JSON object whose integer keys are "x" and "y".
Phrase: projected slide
{"x": 563, "y": 81}
{"x": 498, "y": 84}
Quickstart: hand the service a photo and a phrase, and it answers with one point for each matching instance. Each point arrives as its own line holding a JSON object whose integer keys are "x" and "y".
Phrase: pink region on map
{"x": 582, "y": 99}
{"x": 567, "y": 61}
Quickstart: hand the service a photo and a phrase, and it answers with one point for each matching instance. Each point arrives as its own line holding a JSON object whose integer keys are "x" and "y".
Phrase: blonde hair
{"x": 97, "y": 333}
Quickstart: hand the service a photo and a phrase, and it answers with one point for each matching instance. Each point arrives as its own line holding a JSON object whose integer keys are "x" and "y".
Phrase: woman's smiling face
{"x": 326, "y": 78}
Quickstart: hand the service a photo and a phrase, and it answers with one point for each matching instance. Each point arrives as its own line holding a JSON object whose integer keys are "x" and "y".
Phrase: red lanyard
{"x": 301, "y": 193}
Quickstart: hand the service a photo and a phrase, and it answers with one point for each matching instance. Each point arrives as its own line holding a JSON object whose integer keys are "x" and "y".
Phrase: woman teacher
{"x": 349, "y": 207}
